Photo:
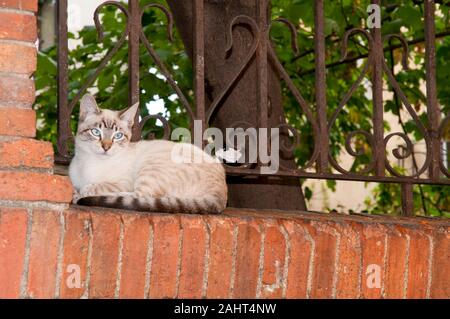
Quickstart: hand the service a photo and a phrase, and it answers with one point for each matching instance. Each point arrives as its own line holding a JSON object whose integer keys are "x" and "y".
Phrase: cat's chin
{"x": 104, "y": 154}
{"x": 101, "y": 153}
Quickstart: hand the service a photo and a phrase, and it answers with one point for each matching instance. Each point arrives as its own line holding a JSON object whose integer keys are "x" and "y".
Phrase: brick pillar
{"x": 26, "y": 165}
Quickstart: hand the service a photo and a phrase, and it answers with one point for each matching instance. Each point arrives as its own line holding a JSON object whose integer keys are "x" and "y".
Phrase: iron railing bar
{"x": 199, "y": 62}
{"x": 432, "y": 103}
{"x": 407, "y": 196}
{"x": 296, "y": 173}
{"x": 133, "y": 61}
{"x": 263, "y": 71}
{"x": 64, "y": 131}
{"x": 320, "y": 85}
{"x": 377, "y": 93}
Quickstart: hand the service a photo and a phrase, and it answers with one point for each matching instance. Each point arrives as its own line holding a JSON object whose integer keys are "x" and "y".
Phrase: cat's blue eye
{"x": 118, "y": 135}
{"x": 96, "y": 132}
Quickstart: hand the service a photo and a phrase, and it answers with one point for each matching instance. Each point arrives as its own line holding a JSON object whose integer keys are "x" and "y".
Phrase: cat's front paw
{"x": 76, "y": 197}
{"x": 89, "y": 191}
{"x": 94, "y": 190}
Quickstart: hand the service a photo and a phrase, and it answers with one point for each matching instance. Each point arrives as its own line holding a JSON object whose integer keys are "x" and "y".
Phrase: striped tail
{"x": 208, "y": 204}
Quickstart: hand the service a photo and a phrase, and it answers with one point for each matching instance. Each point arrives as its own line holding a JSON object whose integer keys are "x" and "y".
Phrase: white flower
{"x": 231, "y": 155}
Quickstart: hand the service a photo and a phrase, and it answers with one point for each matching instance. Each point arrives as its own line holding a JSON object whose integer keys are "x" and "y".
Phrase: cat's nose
{"x": 106, "y": 145}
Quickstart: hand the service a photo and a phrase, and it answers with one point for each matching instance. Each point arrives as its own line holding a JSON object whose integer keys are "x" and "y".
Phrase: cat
{"x": 156, "y": 176}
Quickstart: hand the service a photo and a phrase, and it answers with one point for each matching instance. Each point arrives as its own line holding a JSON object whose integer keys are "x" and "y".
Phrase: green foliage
{"x": 111, "y": 86}
{"x": 431, "y": 200}
{"x": 400, "y": 16}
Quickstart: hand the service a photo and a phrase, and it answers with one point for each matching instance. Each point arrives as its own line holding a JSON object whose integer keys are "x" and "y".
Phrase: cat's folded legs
{"x": 104, "y": 189}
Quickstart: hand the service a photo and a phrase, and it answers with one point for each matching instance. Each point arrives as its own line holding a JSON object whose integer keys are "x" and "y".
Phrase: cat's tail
{"x": 207, "y": 204}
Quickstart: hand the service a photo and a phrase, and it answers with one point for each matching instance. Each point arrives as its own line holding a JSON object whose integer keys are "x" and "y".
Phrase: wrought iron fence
{"x": 321, "y": 165}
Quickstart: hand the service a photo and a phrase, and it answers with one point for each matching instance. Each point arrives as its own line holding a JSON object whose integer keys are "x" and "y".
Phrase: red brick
{"x": 29, "y": 5}
{"x": 274, "y": 260}
{"x": 13, "y": 229}
{"x": 301, "y": 245}
{"x": 26, "y": 153}
{"x": 29, "y": 186}
{"x": 17, "y": 122}
{"x": 349, "y": 264}
{"x": 247, "y": 259}
{"x": 440, "y": 286}
{"x": 134, "y": 256}
{"x": 418, "y": 264}
{"x": 373, "y": 251}
{"x": 192, "y": 257}
{"x": 220, "y": 257}
{"x": 16, "y": 90}
{"x": 163, "y": 276}
{"x": 309, "y": 239}
{"x": 75, "y": 252}
{"x": 395, "y": 279}
{"x": 14, "y": 26}
{"x": 324, "y": 271}
{"x": 44, "y": 247}
{"x": 105, "y": 255}
{"x": 16, "y": 58}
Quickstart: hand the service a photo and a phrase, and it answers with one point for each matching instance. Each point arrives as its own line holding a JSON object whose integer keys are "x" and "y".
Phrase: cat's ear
{"x": 129, "y": 114}
{"x": 88, "y": 106}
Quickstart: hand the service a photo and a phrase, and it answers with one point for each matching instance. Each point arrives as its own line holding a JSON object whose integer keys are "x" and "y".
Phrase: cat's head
{"x": 101, "y": 131}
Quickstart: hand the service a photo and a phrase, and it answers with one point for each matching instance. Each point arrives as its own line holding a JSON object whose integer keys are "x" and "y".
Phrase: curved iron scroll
{"x": 63, "y": 140}
{"x": 280, "y": 71}
{"x": 68, "y": 137}
{"x": 239, "y": 20}
{"x": 163, "y": 69}
{"x": 304, "y": 105}
{"x": 408, "y": 148}
{"x": 346, "y": 98}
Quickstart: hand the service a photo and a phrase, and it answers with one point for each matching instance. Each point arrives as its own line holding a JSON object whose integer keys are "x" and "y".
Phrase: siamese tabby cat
{"x": 157, "y": 176}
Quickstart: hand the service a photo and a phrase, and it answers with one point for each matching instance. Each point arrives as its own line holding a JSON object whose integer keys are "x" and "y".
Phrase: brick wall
{"x": 242, "y": 254}
{"x": 49, "y": 249}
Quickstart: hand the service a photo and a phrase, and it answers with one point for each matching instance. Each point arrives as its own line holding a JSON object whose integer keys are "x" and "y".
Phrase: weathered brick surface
{"x": 44, "y": 247}
{"x": 243, "y": 255}
{"x": 16, "y": 90}
{"x": 418, "y": 263}
{"x": 16, "y": 26}
{"x": 16, "y": 58}
{"x": 105, "y": 255}
{"x": 17, "y": 122}
{"x": 13, "y": 229}
{"x": 26, "y": 153}
{"x": 247, "y": 259}
{"x": 325, "y": 259}
{"x": 301, "y": 255}
{"x": 165, "y": 260}
{"x": 374, "y": 239}
{"x": 396, "y": 263}
{"x": 440, "y": 285}
{"x": 273, "y": 262}
{"x": 349, "y": 270}
{"x": 136, "y": 241}
{"x": 29, "y": 186}
{"x": 193, "y": 251}
{"x": 78, "y": 230}
{"x": 221, "y": 256}
{"x": 29, "y": 5}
